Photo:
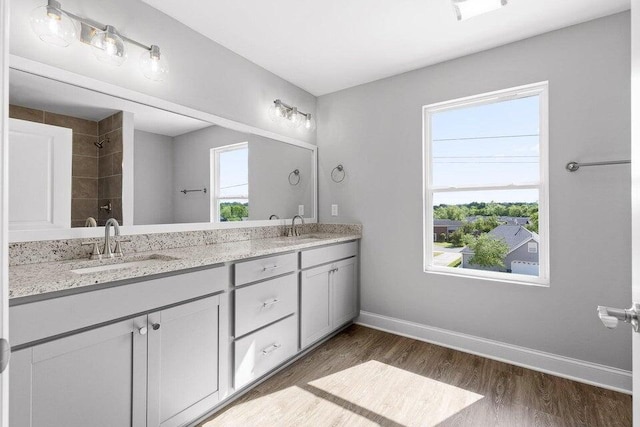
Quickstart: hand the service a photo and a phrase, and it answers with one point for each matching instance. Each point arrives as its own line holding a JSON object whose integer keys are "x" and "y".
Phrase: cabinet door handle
{"x": 270, "y": 268}
{"x": 155, "y": 326}
{"x": 270, "y": 303}
{"x": 143, "y": 330}
{"x": 267, "y": 351}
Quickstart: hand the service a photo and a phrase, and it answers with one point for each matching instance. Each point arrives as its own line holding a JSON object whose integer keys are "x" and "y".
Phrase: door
{"x": 183, "y": 359}
{"x": 345, "y": 292}
{"x": 40, "y": 176}
{"x": 4, "y": 220}
{"x": 315, "y": 308}
{"x": 635, "y": 192}
{"x": 93, "y": 378}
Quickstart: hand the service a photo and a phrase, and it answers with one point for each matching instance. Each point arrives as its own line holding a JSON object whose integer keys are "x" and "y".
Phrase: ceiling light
{"x": 53, "y": 25}
{"x": 154, "y": 67}
{"x": 279, "y": 112}
{"x": 58, "y": 27}
{"x": 466, "y": 9}
{"x": 108, "y": 46}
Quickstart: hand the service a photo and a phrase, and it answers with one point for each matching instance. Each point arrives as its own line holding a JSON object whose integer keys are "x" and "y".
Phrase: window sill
{"x": 510, "y": 278}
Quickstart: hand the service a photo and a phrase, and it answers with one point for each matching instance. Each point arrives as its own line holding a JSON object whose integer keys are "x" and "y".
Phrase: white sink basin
{"x": 299, "y": 239}
{"x": 148, "y": 261}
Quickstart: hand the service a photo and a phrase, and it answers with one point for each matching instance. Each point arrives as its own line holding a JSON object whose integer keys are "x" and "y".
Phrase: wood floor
{"x": 364, "y": 377}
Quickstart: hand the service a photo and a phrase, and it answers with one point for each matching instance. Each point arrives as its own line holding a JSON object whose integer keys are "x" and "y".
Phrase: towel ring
{"x": 294, "y": 181}
{"x": 335, "y": 175}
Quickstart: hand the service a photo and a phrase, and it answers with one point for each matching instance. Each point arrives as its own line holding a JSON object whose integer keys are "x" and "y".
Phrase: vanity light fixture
{"x": 59, "y": 27}
{"x": 279, "y": 112}
{"x": 466, "y": 9}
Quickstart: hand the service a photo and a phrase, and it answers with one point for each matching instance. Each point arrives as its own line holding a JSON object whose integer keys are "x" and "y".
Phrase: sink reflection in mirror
{"x": 78, "y": 155}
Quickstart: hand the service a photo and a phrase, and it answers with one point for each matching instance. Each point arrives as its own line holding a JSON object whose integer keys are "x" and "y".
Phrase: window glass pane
{"x": 487, "y": 230}
{"x": 234, "y": 210}
{"x": 488, "y": 144}
{"x": 234, "y": 173}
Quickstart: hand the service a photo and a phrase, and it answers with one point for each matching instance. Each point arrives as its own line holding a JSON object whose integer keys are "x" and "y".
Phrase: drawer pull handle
{"x": 270, "y": 303}
{"x": 270, "y": 268}
{"x": 267, "y": 351}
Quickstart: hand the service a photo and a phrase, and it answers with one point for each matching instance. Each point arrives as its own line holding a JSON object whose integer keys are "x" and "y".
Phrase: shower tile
{"x": 114, "y": 145}
{"x": 81, "y": 209}
{"x": 85, "y": 166}
{"x": 84, "y": 188}
{"x": 24, "y": 113}
{"x": 84, "y": 145}
{"x": 105, "y": 166}
{"x": 86, "y": 127}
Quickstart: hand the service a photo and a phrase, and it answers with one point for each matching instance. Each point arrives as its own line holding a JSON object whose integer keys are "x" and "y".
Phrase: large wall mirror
{"x": 78, "y": 156}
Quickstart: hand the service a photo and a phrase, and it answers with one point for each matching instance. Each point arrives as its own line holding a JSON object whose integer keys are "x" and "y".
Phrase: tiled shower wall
{"x": 110, "y": 168}
{"x": 96, "y": 173}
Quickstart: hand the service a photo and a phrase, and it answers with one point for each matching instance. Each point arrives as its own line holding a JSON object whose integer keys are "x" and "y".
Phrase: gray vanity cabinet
{"x": 183, "y": 362}
{"x": 93, "y": 378}
{"x": 329, "y": 292}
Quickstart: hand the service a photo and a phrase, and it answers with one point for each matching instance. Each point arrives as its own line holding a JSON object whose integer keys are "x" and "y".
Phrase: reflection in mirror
{"x": 78, "y": 157}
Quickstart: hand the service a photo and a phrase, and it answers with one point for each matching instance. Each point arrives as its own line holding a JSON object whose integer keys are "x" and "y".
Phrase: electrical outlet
{"x": 300, "y": 210}
{"x": 334, "y": 210}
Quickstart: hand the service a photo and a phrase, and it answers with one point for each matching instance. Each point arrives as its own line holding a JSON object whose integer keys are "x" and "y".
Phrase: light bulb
{"x": 108, "y": 46}
{"x": 52, "y": 25}
{"x": 293, "y": 118}
{"x": 154, "y": 66}
{"x": 276, "y": 111}
{"x": 309, "y": 123}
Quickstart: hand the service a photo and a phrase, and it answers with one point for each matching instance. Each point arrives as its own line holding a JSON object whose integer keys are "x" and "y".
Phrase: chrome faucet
{"x": 107, "y": 240}
{"x": 294, "y": 231}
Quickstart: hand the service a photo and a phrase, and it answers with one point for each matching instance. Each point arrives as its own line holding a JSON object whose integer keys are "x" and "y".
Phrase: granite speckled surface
{"x": 40, "y": 278}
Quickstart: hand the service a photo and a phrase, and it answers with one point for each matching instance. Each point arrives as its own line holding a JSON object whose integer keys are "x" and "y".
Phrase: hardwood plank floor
{"x": 364, "y": 377}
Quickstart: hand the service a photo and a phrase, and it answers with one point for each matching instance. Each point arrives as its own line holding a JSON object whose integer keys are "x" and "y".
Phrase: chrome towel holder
{"x": 204, "y": 190}
{"x": 295, "y": 173}
{"x": 338, "y": 173}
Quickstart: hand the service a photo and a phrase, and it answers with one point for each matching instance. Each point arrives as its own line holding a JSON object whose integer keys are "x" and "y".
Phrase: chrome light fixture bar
{"x": 56, "y": 26}
{"x": 466, "y": 9}
{"x": 279, "y": 112}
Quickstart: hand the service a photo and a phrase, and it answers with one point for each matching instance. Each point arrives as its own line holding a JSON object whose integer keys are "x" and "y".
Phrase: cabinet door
{"x": 94, "y": 378}
{"x": 183, "y": 362}
{"x": 315, "y": 309}
{"x": 344, "y": 282}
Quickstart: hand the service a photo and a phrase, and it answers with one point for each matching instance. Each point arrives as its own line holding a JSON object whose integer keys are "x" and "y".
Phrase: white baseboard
{"x": 566, "y": 367}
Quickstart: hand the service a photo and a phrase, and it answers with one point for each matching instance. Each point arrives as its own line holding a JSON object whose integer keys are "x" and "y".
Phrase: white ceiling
{"x": 324, "y": 46}
{"x": 28, "y": 90}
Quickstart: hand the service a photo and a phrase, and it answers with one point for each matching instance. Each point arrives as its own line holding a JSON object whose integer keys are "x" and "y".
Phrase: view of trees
{"x": 492, "y": 209}
{"x": 488, "y": 251}
{"x": 233, "y": 211}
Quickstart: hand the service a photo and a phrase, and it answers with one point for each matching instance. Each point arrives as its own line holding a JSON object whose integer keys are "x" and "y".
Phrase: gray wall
{"x": 191, "y": 169}
{"x": 153, "y": 189}
{"x": 270, "y": 162}
{"x": 375, "y": 131}
{"x": 203, "y": 74}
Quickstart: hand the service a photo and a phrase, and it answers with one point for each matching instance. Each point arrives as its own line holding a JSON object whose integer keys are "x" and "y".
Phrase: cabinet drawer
{"x": 263, "y": 268}
{"x": 260, "y": 352}
{"x": 263, "y": 303}
{"x": 329, "y": 253}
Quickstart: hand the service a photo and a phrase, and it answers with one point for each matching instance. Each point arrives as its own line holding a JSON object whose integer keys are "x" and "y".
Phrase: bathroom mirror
{"x": 79, "y": 156}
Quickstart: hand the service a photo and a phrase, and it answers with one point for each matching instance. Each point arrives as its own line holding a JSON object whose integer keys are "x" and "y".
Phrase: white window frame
{"x": 215, "y": 179}
{"x": 540, "y": 89}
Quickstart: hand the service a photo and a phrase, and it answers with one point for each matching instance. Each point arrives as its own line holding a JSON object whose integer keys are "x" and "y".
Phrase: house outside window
{"x": 486, "y": 186}
{"x": 230, "y": 183}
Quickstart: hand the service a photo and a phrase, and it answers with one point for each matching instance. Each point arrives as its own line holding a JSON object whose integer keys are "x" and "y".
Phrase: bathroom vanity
{"x": 165, "y": 338}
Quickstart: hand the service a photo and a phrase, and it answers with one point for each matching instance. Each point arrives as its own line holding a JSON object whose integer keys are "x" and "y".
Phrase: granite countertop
{"x": 36, "y": 279}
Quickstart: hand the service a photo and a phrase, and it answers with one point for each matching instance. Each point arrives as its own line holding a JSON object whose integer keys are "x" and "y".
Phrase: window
{"x": 230, "y": 183}
{"x": 486, "y": 179}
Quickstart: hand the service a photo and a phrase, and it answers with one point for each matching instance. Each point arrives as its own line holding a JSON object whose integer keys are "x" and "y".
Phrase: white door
{"x": 4, "y": 220}
{"x": 39, "y": 176}
{"x": 635, "y": 192}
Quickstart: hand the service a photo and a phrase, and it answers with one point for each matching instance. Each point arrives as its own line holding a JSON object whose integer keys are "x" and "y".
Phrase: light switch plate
{"x": 300, "y": 209}
{"x": 334, "y": 210}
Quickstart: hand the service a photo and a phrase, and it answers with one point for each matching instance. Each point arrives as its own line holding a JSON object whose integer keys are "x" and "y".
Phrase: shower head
{"x": 100, "y": 144}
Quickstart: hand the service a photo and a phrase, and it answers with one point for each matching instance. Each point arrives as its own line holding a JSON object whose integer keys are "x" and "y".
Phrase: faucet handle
{"x": 95, "y": 251}
{"x": 118, "y": 251}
